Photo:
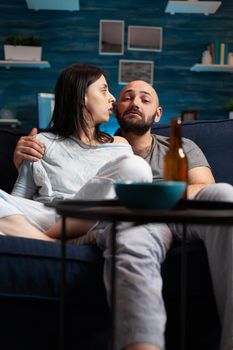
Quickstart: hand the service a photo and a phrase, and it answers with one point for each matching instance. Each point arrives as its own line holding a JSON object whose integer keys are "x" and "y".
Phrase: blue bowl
{"x": 144, "y": 195}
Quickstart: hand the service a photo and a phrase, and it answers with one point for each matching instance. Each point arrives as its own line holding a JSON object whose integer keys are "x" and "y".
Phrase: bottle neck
{"x": 175, "y": 135}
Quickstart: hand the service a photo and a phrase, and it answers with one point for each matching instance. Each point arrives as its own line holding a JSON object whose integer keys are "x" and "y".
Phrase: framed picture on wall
{"x": 135, "y": 70}
{"x": 189, "y": 114}
{"x": 111, "y": 37}
{"x": 145, "y": 38}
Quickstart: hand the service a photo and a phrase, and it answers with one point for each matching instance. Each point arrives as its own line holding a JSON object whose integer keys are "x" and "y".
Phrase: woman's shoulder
{"x": 120, "y": 139}
{"x": 47, "y": 137}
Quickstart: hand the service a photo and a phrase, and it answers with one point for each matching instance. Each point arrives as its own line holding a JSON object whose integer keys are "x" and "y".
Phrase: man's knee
{"x": 217, "y": 192}
{"x": 144, "y": 240}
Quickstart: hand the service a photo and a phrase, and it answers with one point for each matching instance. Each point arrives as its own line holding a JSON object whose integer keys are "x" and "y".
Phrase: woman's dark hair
{"x": 70, "y": 90}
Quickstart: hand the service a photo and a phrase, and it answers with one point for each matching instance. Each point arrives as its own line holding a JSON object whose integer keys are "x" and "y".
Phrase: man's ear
{"x": 158, "y": 114}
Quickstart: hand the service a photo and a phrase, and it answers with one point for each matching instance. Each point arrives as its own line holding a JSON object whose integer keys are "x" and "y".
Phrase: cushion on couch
{"x": 30, "y": 292}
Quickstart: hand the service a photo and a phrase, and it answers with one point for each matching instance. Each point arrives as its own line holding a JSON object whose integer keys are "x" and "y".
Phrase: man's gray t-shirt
{"x": 160, "y": 146}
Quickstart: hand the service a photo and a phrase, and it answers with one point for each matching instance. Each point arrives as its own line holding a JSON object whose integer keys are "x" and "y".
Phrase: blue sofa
{"x": 29, "y": 272}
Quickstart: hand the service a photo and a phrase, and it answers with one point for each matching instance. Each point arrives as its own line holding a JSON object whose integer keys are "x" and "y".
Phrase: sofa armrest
{"x": 8, "y": 175}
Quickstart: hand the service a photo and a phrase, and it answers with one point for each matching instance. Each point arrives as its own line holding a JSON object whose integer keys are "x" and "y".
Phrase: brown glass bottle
{"x": 175, "y": 160}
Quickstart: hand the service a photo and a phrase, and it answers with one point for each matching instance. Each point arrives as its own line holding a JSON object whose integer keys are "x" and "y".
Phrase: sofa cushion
{"x": 30, "y": 292}
{"x": 31, "y": 267}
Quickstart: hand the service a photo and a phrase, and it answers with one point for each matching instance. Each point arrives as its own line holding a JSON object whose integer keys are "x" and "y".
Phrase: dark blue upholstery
{"x": 8, "y": 140}
{"x": 29, "y": 272}
{"x": 30, "y": 290}
{"x": 215, "y": 138}
{"x": 28, "y": 261}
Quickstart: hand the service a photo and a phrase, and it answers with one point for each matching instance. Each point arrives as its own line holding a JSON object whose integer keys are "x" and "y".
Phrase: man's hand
{"x": 29, "y": 148}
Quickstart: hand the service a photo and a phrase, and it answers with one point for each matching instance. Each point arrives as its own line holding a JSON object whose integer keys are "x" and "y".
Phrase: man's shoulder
{"x": 165, "y": 140}
{"x": 189, "y": 143}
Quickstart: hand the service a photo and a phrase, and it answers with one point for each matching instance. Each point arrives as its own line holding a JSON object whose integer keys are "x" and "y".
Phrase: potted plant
{"x": 230, "y": 108}
{"x": 22, "y": 48}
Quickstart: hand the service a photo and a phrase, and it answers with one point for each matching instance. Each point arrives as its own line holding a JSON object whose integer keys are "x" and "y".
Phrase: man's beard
{"x": 138, "y": 126}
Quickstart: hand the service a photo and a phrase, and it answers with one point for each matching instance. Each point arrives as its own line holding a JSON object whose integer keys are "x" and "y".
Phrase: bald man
{"x": 141, "y": 315}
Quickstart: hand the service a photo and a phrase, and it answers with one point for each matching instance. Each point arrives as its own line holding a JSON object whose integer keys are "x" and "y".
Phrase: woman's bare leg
{"x": 18, "y": 225}
{"x": 74, "y": 228}
{"x": 142, "y": 347}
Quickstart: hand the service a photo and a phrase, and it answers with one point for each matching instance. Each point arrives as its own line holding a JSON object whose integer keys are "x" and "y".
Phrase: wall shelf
{"x": 24, "y": 64}
{"x": 70, "y": 5}
{"x": 212, "y": 68}
{"x": 192, "y": 6}
{"x": 12, "y": 123}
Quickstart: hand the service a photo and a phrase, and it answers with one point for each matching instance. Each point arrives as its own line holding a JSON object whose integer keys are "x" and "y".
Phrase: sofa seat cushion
{"x": 30, "y": 290}
{"x": 31, "y": 268}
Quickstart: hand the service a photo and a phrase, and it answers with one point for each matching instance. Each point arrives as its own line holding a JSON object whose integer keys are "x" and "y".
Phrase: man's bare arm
{"x": 199, "y": 178}
{"x": 28, "y": 148}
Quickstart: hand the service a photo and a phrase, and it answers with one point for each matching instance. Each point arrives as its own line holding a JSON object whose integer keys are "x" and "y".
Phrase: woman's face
{"x": 98, "y": 101}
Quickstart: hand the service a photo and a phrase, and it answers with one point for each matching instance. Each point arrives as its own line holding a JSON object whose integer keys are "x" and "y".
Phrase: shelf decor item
{"x": 219, "y": 52}
{"x": 230, "y": 58}
{"x": 215, "y": 58}
{"x": 206, "y": 57}
{"x": 189, "y": 114}
{"x": 22, "y": 48}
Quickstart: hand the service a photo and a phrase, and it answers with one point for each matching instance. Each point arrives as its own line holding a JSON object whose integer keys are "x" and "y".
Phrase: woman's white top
{"x": 66, "y": 166}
